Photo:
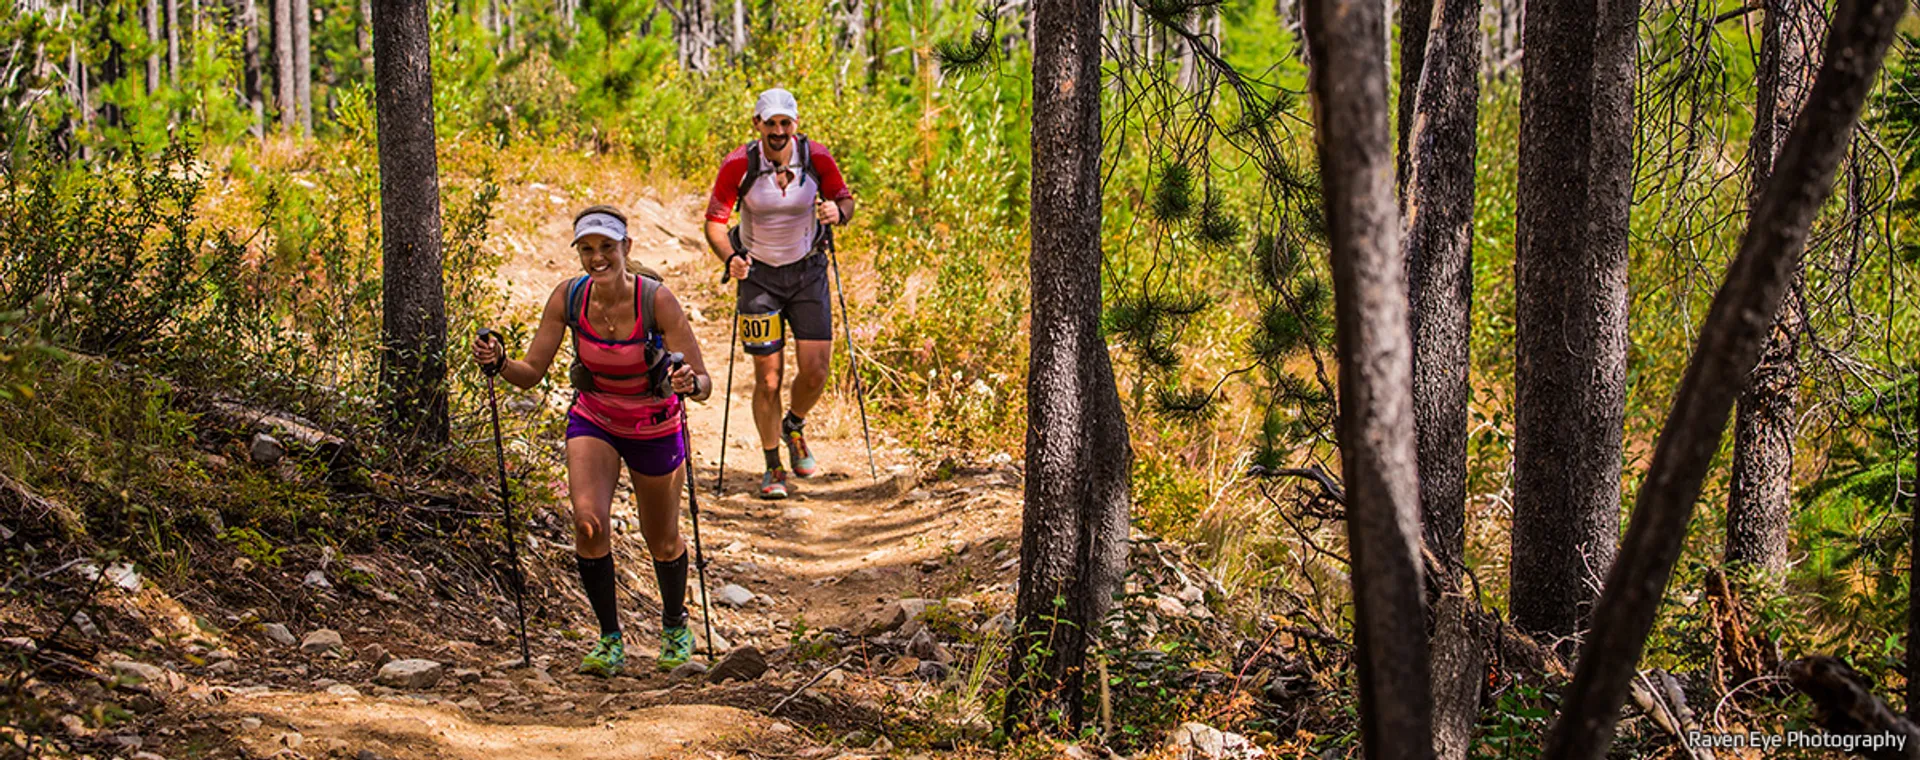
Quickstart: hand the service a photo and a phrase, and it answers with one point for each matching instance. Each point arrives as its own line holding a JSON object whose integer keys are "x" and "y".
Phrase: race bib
{"x": 761, "y": 330}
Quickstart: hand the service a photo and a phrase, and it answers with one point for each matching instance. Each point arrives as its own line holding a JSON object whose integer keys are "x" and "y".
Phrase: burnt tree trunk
{"x": 1416, "y": 16}
{"x": 303, "y": 66}
{"x": 1348, "y": 46}
{"x": 1759, "y": 501}
{"x": 1729, "y": 347}
{"x": 1570, "y": 338}
{"x": 413, "y": 369}
{"x": 1073, "y": 531}
{"x": 283, "y": 63}
{"x": 1437, "y": 210}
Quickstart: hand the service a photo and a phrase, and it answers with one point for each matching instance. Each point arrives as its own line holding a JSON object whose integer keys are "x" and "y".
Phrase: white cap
{"x": 775, "y": 102}
{"x": 599, "y": 224}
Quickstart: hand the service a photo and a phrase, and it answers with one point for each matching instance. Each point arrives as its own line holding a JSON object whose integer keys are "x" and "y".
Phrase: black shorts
{"x": 773, "y": 299}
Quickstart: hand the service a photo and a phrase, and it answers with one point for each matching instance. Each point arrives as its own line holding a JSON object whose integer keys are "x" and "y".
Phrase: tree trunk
{"x": 1416, "y": 16}
{"x": 303, "y": 65}
{"x": 363, "y": 35}
{"x": 737, "y": 41}
{"x": 1073, "y": 529}
{"x": 1728, "y": 349}
{"x": 173, "y": 42}
{"x": 1570, "y": 335}
{"x": 1377, "y": 438}
{"x": 1439, "y": 152}
{"x": 153, "y": 46}
{"x": 414, "y": 327}
{"x": 283, "y": 63}
{"x": 1913, "y": 572}
{"x": 250, "y": 41}
{"x": 1759, "y": 502}
{"x": 694, "y": 33}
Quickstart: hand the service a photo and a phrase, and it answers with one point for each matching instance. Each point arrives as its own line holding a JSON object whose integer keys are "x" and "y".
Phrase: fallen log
{"x": 337, "y": 453}
{"x": 1845, "y": 706}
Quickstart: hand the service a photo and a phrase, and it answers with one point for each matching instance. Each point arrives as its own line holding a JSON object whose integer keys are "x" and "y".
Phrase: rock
{"x": 733, "y": 595}
{"x": 1198, "y": 741}
{"x": 796, "y": 513}
{"x": 20, "y": 643}
{"x": 858, "y": 739}
{"x": 689, "y": 669}
{"x": 343, "y": 690}
{"x": 147, "y": 756}
{"x": 279, "y": 634}
{"x": 506, "y": 665}
{"x": 881, "y": 745}
{"x": 960, "y": 607}
{"x": 901, "y": 667}
{"x": 224, "y": 668}
{"x": 779, "y": 727}
{"x": 123, "y": 575}
{"x": 375, "y": 654}
{"x": 1011, "y": 563}
{"x": 470, "y": 704}
{"x": 321, "y": 641}
{"x": 765, "y": 600}
{"x": 926, "y": 647}
{"x": 735, "y": 547}
{"x": 931, "y": 564}
{"x": 266, "y": 450}
{"x": 932, "y": 671}
{"x": 140, "y": 673}
{"x": 413, "y": 674}
{"x": 85, "y": 624}
{"x": 918, "y": 495}
{"x": 317, "y": 579}
{"x": 243, "y": 565}
{"x": 890, "y": 616}
{"x": 466, "y": 676}
{"x": 718, "y": 644}
{"x": 1001, "y": 623}
{"x": 1169, "y": 607}
{"x": 250, "y": 724}
{"x": 745, "y": 664}
{"x": 1192, "y": 595}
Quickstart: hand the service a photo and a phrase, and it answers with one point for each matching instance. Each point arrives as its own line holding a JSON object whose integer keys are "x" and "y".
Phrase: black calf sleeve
{"x": 597, "y": 576}
{"x": 673, "y": 590}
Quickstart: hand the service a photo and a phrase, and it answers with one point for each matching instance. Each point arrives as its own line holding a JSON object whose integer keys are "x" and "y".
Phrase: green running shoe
{"x": 676, "y": 647}
{"x": 606, "y": 659}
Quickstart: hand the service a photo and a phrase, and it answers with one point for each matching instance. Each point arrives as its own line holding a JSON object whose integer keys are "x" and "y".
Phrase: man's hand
{"x": 738, "y": 265}
{"x": 826, "y": 211}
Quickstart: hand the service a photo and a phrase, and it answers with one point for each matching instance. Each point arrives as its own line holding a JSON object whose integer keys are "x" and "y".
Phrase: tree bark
{"x": 1759, "y": 502}
{"x": 303, "y": 65}
{"x": 1074, "y": 525}
{"x": 173, "y": 42}
{"x": 1570, "y": 337}
{"x": 1728, "y": 348}
{"x": 694, "y": 33}
{"x": 1347, "y": 40}
{"x": 414, "y": 327}
{"x": 153, "y": 46}
{"x": 737, "y": 41}
{"x": 1416, "y": 16}
{"x": 250, "y": 42}
{"x": 1438, "y": 171}
{"x": 283, "y": 63}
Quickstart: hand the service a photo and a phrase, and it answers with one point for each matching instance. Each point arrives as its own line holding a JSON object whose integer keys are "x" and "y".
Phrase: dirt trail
{"x": 843, "y": 542}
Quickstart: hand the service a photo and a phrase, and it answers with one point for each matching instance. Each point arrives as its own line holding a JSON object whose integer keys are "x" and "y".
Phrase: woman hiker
{"x": 626, "y": 409}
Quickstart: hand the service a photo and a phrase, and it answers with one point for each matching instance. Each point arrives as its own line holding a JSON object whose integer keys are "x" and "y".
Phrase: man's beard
{"x": 777, "y": 142}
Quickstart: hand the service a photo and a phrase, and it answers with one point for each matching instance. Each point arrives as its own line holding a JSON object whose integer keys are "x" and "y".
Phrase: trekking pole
{"x": 506, "y": 505}
{"x": 853, "y": 368}
{"x": 693, "y": 508}
{"x": 726, "y": 408}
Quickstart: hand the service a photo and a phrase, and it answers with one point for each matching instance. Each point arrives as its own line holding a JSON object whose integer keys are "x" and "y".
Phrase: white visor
{"x": 599, "y": 224}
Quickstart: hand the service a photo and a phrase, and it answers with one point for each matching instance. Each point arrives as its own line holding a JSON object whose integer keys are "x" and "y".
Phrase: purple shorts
{"x": 652, "y": 457}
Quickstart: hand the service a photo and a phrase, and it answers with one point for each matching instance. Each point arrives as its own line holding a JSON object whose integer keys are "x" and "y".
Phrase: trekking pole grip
{"x": 489, "y": 336}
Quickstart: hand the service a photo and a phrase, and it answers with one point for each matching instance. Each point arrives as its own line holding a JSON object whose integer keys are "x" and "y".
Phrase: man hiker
{"x": 788, "y": 190}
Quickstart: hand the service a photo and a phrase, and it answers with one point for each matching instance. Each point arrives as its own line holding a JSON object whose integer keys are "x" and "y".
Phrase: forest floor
{"x": 201, "y": 677}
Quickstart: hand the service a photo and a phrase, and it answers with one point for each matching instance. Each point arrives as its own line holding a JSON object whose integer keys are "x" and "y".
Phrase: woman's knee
{"x": 666, "y": 548}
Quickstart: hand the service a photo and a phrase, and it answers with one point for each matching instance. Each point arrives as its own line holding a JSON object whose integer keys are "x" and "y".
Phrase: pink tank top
{"x": 622, "y": 403}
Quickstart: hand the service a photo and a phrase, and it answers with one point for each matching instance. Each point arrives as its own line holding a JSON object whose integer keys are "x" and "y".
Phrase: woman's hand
{"x": 487, "y": 352}
{"x": 688, "y": 383}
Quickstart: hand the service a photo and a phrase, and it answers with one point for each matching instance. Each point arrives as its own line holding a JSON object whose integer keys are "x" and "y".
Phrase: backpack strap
{"x": 649, "y": 320}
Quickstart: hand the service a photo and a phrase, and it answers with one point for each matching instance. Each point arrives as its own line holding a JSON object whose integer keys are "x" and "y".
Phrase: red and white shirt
{"x": 776, "y": 224}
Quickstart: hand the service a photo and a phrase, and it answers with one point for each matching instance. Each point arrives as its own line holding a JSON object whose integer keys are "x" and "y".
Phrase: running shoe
{"x": 606, "y": 659}
{"x": 676, "y": 647}
{"x": 773, "y": 485}
{"x": 803, "y": 463}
